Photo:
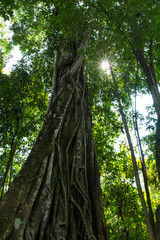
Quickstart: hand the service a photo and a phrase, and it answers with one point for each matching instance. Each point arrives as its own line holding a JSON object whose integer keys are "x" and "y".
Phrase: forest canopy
{"x": 120, "y": 44}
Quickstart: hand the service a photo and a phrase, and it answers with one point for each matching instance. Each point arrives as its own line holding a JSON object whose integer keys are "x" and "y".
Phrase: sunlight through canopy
{"x": 105, "y": 66}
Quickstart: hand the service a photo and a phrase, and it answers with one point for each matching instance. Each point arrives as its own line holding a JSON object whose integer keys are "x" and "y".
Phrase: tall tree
{"x": 148, "y": 215}
{"x": 60, "y": 197}
{"x": 133, "y": 27}
{"x": 57, "y": 193}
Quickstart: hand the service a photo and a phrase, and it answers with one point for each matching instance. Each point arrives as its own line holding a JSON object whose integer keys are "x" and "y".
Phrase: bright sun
{"x": 105, "y": 66}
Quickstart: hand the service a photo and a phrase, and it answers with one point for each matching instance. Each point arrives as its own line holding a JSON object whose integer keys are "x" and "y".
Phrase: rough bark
{"x": 57, "y": 193}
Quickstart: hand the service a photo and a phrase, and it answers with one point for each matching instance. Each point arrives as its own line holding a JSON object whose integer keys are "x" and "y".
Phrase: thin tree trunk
{"x": 57, "y": 193}
{"x": 135, "y": 168}
{"x": 10, "y": 160}
{"x": 9, "y": 163}
{"x": 125, "y": 230}
{"x": 158, "y": 223}
{"x": 144, "y": 170}
{"x": 150, "y": 77}
{"x": 153, "y": 87}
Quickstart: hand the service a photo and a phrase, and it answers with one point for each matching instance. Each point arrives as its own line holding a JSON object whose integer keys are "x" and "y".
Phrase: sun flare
{"x": 105, "y": 65}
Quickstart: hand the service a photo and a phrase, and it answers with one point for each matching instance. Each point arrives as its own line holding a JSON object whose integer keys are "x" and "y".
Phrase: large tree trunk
{"x": 57, "y": 193}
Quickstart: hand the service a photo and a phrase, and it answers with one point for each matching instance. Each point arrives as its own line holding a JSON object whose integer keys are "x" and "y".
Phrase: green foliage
{"x": 6, "y": 8}
{"x": 122, "y": 203}
{"x": 5, "y": 43}
{"x": 23, "y": 104}
{"x": 116, "y": 28}
{"x": 123, "y": 211}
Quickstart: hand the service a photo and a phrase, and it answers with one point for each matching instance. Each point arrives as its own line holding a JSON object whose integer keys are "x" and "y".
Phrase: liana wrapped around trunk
{"x": 57, "y": 193}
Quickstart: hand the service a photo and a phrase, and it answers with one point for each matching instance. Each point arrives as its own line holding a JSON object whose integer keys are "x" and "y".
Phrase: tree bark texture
{"x": 57, "y": 193}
